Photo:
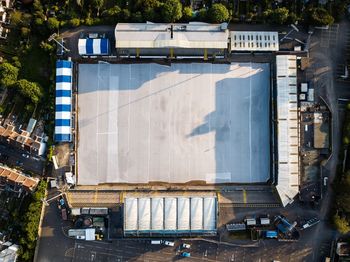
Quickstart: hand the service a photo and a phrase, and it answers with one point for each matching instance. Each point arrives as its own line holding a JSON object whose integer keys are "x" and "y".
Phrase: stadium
{"x": 174, "y": 109}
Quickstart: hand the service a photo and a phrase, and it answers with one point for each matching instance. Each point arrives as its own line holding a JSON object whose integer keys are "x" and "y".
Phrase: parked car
{"x": 156, "y": 242}
{"x": 184, "y": 245}
{"x": 186, "y": 254}
{"x": 25, "y": 155}
{"x": 169, "y": 243}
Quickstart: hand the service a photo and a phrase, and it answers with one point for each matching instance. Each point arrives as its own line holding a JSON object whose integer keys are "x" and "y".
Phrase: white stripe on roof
{"x": 63, "y": 100}
{"x": 63, "y": 71}
{"x": 62, "y": 130}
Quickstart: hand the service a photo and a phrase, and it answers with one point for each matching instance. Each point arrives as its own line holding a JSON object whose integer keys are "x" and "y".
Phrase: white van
{"x": 156, "y": 242}
{"x": 169, "y": 243}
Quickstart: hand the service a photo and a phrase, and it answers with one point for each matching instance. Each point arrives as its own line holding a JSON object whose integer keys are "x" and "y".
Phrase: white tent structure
{"x": 288, "y": 135}
{"x": 170, "y": 215}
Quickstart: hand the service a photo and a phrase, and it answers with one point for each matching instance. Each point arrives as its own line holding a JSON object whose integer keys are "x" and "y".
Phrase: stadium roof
{"x": 191, "y": 35}
{"x": 288, "y": 139}
{"x": 254, "y": 41}
{"x": 96, "y": 46}
{"x": 170, "y": 214}
{"x": 63, "y": 101}
{"x": 141, "y": 123}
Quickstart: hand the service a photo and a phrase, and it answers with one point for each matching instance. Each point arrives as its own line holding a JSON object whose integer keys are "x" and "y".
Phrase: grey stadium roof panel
{"x": 140, "y": 123}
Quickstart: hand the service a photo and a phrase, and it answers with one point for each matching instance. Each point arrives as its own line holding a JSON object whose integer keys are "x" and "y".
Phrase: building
{"x": 170, "y": 215}
{"x": 195, "y": 39}
{"x": 4, "y": 18}
{"x": 63, "y": 121}
{"x": 321, "y": 130}
{"x": 254, "y": 41}
{"x": 178, "y": 123}
{"x": 8, "y": 252}
{"x": 22, "y": 140}
{"x": 288, "y": 126}
{"x": 15, "y": 181}
{"x": 93, "y": 46}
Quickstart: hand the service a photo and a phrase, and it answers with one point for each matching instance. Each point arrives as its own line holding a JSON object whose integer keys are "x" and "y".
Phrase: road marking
{"x": 244, "y": 196}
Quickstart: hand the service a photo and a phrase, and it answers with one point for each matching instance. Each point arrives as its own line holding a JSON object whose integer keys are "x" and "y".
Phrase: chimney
{"x": 172, "y": 31}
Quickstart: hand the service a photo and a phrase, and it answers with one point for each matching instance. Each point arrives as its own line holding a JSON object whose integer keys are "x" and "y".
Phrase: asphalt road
{"x": 15, "y": 159}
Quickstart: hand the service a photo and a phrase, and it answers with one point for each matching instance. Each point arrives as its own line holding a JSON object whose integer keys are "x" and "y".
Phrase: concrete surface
{"x": 185, "y": 122}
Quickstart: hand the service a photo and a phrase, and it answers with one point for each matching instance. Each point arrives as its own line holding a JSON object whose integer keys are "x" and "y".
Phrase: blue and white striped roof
{"x": 63, "y": 101}
{"x": 93, "y": 46}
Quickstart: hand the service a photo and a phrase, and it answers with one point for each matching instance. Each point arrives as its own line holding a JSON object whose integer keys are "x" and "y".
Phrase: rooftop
{"x": 288, "y": 136}
{"x": 141, "y": 123}
{"x": 191, "y": 35}
{"x": 17, "y": 179}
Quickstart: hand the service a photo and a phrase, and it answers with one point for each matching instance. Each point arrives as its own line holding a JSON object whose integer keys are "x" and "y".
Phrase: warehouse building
{"x": 288, "y": 128}
{"x": 194, "y": 39}
{"x": 170, "y": 215}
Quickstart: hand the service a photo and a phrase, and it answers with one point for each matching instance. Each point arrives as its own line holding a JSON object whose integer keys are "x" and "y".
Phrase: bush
{"x": 277, "y": 16}
{"x": 53, "y": 23}
{"x": 137, "y": 17}
{"x": 46, "y": 47}
{"x": 218, "y": 13}
{"x": 75, "y": 22}
{"x": 202, "y": 14}
{"x": 341, "y": 224}
{"x": 187, "y": 13}
{"x": 25, "y": 32}
{"x": 318, "y": 16}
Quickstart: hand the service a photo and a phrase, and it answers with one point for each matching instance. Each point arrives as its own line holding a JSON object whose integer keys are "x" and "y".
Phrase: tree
{"x": 277, "y": 16}
{"x": 150, "y": 14}
{"x": 98, "y": 5}
{"x": 171, "y": 11}
{"x": 53, "y": 23}
{"x": 29, "y": 90}
{"x": 74, "y": 22}
{"x": 16, "y": 17}
{"x": 318, "y": 16}
{"x": 8, "y": 74}
{"x": 145, "y": 4}
{"x": 341, "y": 224}
{"x": 187, "y": 13}
{"x": 25, "y": 32}
{"x": 137, "y": 17}
{"x": 202, "y": 14}
{"x": 218, "y": 13}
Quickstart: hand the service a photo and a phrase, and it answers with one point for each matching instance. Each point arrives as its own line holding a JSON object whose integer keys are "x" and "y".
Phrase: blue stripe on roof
{"x": 62, "y": 122}
{"x": 89, "y": 47}
{"x": 60, "y": 78}
{"x": 104, "y": 46}
{"x": 63, "y": 93}
{"x": 62, "y": 137}
{"x": 63, "y": 108}
{"x": 63, "y": 64}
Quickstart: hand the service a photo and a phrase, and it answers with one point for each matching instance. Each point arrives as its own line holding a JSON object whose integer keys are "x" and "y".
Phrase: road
{"x": 15, "y": 158}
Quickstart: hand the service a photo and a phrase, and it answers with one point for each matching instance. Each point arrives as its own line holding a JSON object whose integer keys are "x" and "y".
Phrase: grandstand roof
{"x": 254, "y": 41}
{"x": 191, "y": 35}
{"x": 288, "y": 139}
